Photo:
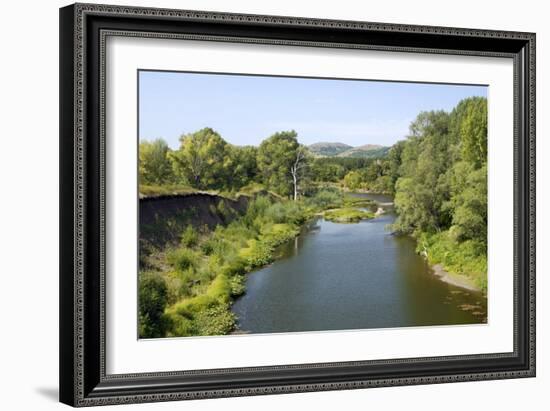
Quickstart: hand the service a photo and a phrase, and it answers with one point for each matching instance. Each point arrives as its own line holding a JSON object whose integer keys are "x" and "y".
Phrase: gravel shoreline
{"x": 454, "y": 279}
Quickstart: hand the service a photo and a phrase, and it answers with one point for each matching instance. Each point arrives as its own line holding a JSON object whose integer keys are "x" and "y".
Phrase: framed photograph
{"x": 262, "y": 204}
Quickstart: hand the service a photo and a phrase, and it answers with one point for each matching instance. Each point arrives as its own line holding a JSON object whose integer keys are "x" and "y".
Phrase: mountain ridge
{"x": 335, "y": 149}
{"x": 328, "y": 149}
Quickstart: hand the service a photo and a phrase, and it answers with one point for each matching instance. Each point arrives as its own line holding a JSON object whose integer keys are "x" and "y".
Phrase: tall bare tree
{"x": 297, "y": 168}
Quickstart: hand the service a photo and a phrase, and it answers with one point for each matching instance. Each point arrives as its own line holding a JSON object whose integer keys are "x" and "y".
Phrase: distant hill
{"x": 344, "y": 150}
{"x": 328, "y": 149}
{"x": 366, "y": 151}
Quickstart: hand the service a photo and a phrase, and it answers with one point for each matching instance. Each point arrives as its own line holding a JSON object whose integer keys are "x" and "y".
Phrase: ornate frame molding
{"x": 82, "y": 336}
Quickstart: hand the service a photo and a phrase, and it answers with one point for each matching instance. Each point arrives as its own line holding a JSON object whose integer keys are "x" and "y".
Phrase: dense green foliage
{"x": 441, "y": 186}
{"x": 353, "y": 180}
{"x": 154, "y": 165}
{"x": 375, "y": 175}
{"x": 281, "y": 162}
{"x": 204, "y": 160}
{"x": 442, "y": 179}
{"x": 153, "y": 297}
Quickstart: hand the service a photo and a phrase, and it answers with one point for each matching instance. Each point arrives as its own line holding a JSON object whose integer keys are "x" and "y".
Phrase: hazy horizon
{"x": 246, "y": 109}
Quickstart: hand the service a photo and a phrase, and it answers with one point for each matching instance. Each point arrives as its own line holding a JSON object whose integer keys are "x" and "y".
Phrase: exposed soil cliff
{"x": 163, "y": 219}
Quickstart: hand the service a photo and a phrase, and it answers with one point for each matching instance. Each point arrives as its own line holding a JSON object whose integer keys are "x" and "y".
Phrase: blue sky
{"x": 247, "y": 109}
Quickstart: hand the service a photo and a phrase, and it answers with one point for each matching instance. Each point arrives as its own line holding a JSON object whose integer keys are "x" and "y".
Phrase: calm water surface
{"x": 351, "y": 276}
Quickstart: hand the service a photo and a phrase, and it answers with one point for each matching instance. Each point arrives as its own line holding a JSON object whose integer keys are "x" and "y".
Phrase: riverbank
{"x": 202, "y": 275}
{"x": 458, "y": 258}
{"x": 454, "y": 279}
{"x": 441, "y": 252}
{"x": 463, "y": 263}
{"x": 200, "y": 278}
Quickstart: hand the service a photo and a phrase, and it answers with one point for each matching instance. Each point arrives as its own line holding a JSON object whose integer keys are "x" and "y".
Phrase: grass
{"x": 257, "y": 189}
{"x": 183, "y": 258}
{"x": 150, "y": 190}
{"x": 190, "y": 237}
{"x": 157, "y": 190}
{"x": 347, "y": 215}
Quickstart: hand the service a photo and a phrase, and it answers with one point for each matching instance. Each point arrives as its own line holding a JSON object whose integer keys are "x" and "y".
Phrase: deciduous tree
{"x": 202, "y": 159}
{"x": 154, "y": 165}
{"x": 282, "y": 162}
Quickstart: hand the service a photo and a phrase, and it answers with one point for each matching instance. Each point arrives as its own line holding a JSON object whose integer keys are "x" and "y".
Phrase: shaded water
{"x": 352, "y": 276}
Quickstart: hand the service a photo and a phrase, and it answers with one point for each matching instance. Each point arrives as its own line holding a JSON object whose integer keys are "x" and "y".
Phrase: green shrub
{"x": 287, "y": 212}
{"x": 179, "y": 286}
{"x": 213, "y": 318}
{"x": 235, "y": 266}
{"x": 180, "y": 326}
{"x": 325, "y": 199}
{"x": 220, "y": 248}
{"x": 216, "y": 320}
{"x": 186, "y": 276}
{"x": 152, "y": 299}
{"x": 238, "y": 286}
{"x": 220, "y": 289}
{"x": 207, "y": 246}
{"x": 206, "y": 274}
{"x": 256, "y": 208}
{"x": 275, "y": 213}
{"x": 277, "y": 234}
{"x": 190, "y": 237}
{"x": 183, "y": 259}
{"x": 256, "y": 254}
{"x": 191, "y": 306}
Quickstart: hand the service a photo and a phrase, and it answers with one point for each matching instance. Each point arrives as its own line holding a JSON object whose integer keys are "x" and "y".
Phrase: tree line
{"x": 205, "y": 161}
{"x": 441, "y": 181}
{"x": 438, "y": 175}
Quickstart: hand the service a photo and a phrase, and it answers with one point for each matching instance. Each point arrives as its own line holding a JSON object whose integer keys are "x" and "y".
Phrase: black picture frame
{"x": 83, "y": 29}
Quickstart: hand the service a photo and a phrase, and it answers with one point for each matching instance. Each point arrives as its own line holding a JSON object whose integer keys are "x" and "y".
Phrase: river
{"x": 352, "y": 276}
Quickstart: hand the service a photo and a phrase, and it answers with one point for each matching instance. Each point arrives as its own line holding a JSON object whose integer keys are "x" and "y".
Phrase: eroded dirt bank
{"x": 162, "y": 219}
